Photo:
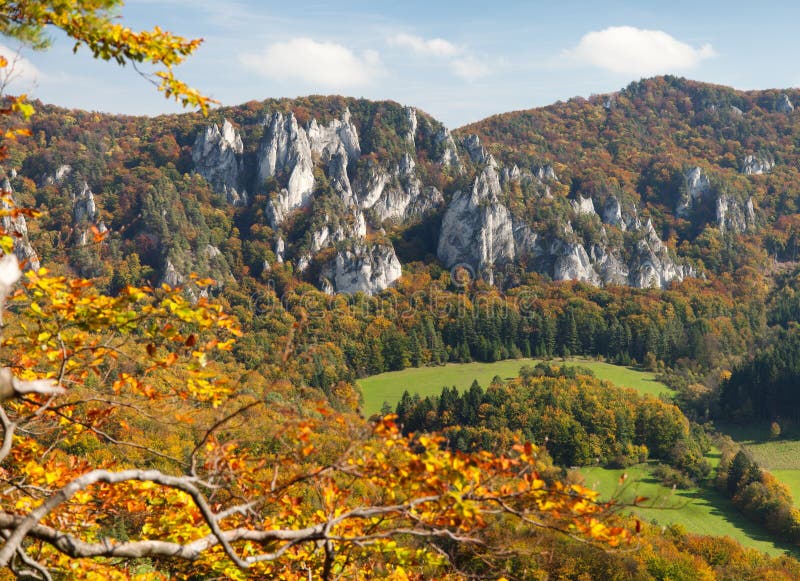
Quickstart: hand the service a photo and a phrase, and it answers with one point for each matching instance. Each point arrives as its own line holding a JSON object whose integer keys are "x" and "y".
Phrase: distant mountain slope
{"x": 703, "y": 161}
{"x": 664, "y": 180}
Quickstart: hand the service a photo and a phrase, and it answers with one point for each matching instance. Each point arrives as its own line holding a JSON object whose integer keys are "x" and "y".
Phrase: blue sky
{"x": 459, "y": 61}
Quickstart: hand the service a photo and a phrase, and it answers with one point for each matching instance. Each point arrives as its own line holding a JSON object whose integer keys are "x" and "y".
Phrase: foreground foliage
{"x": 92, "y": 374}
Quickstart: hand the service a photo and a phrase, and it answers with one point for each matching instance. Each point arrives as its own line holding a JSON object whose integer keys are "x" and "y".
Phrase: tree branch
{"x": 8, "y": 434}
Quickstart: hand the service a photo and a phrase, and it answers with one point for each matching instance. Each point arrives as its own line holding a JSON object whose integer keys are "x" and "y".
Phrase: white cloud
{"x": 470, "y": 68}
{"x": 437, "y": 47}
{"x": 635, "y": 51}
{"x": 19, "y": 74}
{"x": 324, "y": 64}
{"x": 458, "y": 59}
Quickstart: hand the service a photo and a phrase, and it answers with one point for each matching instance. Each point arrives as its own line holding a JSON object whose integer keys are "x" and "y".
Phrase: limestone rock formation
{"x": 583, "y": 205}
{"x": 652, "y": 264}
{"x": 476, "y": 151}
{"x": 734, "y": 216}
{"x": 217, "y": 156}
{"x": 571, "y": 262}
{"x": 411, "y": 118}
{"x": 339, "y": 179}
{"x": 326, "y": 139}
{"x": 696, "y": 186}
{"x": 62, "y": 172}
{"x": 783, "y": 104}
{"x": 337, "y": 229}
{"x": 362, "y": 267}
{"x": 612, "y": 213}
{"x": 399, "y": 196}
{"x": 84, "y": 208}
{"x": 546, "y": 172}
{"x": 609, "y": 268}
{"x": 171, "y": 276}
{"x": 449, "y": 157}
{"x": 280, "y": 249}
{"x": 18, "y": 227}
{"x": 84, "y": 214}
{"x": 285, "y": 151}
{"x": 477, "y": 229}
{"x": 757, "y": 165}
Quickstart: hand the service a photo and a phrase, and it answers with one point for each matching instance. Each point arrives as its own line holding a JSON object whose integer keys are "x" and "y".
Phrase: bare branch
{"x": 11, "y": 387}
{"x": 8, "y": 434}
{"x": 64, "y": 494}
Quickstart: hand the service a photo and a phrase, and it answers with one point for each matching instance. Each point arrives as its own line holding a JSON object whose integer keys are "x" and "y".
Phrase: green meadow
{"x": 389, "y": 387}
{"x": 700, "y": 510}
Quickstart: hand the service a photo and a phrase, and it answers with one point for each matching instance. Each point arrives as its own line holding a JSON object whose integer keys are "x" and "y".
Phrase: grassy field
{"x": 700, "y": 510}
{"x": 790, "y": 478}
{"x": 782, "y": 454}
{"x": 430, "y": 380}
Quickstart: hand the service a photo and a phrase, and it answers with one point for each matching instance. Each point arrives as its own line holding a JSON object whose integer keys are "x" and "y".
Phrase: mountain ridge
{"x": 634, "y": 187}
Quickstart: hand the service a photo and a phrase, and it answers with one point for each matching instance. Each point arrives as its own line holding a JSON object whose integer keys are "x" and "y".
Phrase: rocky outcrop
{"x": 285, "y": 153}
{"x": 733, "y": 215}
{"x": 449, "y": 157}
{"x": 337, "y": 229}
{"x": 339, "y": 180}
{"x": 217, "y": 156}
{"x": 510, "y": 175}
{"x": 696, "y": 186}
{"x": 652, "y": 265}
{"x": 325, "y": 140}
{"x": 84, "y": 208}
{"x": 280, "y": 249}
{"x": 783, "y": 104}
{"x": 609, "y": 268}
{"x": 400, "y": 196}
{"x": 612, "y": 213}
{"x": 477, "y": 229}
{"x": 546, "y": 173}
{"x": 303, "y": 263}
{"x": 750, "y": 211}
{"x": 18, "y": 228}
{"x": 757, "y": 165}
{"x": 84, "y": 215}
{"x": 571, "y": 262}
{"x": 62, "y": 173}
{"x": 170, "y": 275}
{"x": 583, "y": 205}
{"x": 476, "y": 151}
{"x": 411, "y": 118}
{"x": 361, "y": 267}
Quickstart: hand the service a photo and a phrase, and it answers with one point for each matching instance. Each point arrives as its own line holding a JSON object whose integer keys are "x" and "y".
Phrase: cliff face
{"x": 317, "y": 167}
{"x": 477, "y": 229}
{"x": 321, "y": 169}
{"x": 217, "y": 156}
{"x": 361, "y": 267}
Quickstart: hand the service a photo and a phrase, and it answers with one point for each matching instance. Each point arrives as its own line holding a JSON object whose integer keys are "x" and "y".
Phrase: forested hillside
{"x": 681, "y": 188}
